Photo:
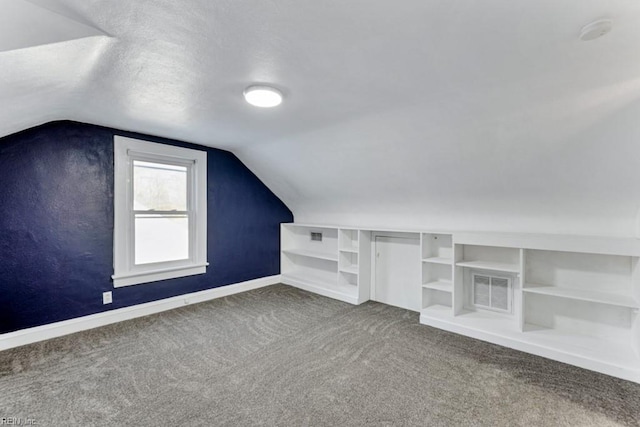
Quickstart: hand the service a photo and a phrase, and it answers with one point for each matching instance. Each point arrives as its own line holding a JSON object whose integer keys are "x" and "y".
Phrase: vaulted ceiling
{"x": 433, "y": 114}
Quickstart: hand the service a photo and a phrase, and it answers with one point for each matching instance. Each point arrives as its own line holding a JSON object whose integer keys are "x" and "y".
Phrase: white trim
{"x": 539, "y": 350}
{"x": 58, "y": 329}
{"x": 309, "y": 286}
{"x": 154, "y": 276}
{"x": 126, "y": 273}
{"x": 164, "y": 270}
{"x": 607, "y": 245}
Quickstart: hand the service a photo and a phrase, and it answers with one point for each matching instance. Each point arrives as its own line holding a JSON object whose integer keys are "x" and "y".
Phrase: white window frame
{"x": 126, "y": 272}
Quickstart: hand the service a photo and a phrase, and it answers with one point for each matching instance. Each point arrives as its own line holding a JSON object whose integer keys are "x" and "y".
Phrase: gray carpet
{"x": 281, "y": 356}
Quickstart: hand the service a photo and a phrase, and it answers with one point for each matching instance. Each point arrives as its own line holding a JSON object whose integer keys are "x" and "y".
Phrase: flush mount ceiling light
{"x": 263, "y": 96}
{"x": 595, "y": 29}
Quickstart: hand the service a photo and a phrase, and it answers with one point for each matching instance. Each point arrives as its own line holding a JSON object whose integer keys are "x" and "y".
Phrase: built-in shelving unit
{"x": 325, "y": 260}
{"x": 570, "y": 298}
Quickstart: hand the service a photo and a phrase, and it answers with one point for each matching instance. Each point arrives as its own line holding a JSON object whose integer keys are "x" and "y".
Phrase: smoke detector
{"x": 595, "y": 29}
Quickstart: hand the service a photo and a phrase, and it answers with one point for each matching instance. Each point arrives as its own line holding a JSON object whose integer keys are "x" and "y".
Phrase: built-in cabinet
{"x": 569, "y": 298}
{"x": 334, "y": 262}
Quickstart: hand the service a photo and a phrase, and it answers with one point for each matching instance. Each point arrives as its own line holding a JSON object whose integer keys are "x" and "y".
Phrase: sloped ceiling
{"x": 455, "y": 114}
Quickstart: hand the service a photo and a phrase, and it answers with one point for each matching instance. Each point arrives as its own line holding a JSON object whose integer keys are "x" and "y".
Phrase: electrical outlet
{"x": 107, "y": 298}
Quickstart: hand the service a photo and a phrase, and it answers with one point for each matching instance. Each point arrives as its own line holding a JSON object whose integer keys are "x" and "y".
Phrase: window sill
{"x": 122, "y": 280}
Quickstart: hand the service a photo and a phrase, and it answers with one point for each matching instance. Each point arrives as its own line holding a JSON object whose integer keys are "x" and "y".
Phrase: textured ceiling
{"x": 437, "y": 114}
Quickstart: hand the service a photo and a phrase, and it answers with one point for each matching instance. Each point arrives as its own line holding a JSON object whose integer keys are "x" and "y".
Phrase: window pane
{"x": 159, "y": 187}
{"x": 161, "y": 238}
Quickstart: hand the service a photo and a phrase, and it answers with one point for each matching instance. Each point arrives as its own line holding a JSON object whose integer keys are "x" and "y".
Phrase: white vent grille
{"x": 492, "y": 292}
{"x": 316, "y": 237}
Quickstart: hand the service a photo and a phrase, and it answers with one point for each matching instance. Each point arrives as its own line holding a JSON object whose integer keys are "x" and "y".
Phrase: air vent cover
{"x": 316, "y": 237}
{"x": 492, "y": 292}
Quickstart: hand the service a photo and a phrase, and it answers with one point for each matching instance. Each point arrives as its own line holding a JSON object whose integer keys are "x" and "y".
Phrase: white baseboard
{"x": 58, "y": 329}
{"x": 320, "y": 290}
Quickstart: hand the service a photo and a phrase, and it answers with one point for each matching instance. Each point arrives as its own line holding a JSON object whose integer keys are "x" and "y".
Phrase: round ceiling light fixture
{"x": 263, "y": 96}
{"x": 595, "y": 29}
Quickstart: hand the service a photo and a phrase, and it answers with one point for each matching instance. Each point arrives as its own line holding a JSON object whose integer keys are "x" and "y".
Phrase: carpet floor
{"x": 281, "y": 356}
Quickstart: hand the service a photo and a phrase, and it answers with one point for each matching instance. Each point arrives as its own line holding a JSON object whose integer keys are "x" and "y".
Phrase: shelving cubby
{"x": 348, "y": 240}
{"x": 437, "y": 264}
{"x": 584, "y": 303}
{"x": 298, "y": 240}
{"x": 348, "y": 262}
{"x": 348, "y": 270}
{"x": 502, "y": 259}
{"x": 487, "y": 288}
{"x": 437, "y": 248}
{"x": 605, "y": 279}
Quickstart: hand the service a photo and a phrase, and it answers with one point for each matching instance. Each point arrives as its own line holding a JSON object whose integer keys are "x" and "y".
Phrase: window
{"x": 160, "y": 199}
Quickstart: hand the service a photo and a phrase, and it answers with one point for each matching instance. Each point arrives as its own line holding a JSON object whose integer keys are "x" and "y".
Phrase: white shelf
{"x": 311, "y": 254}
{"x": 350, "y": 250}
{"x": 613, "y": 358}
{"x": 583, "y": 295}
{"x": 489, "y": 321}
{"x": 347, "y": 293}
{"x": 439, "y": 260}
{"x": 479, "y": 321}
{"x": 351, "y": 269}
{"x": 440, "y": 285}
{"x": 485, "y": 321}
{"x": 308, "y": 279}
{"x": 488, "y": 265}
{"x": 437, "y": 311}
{"x": 584, "y": 346}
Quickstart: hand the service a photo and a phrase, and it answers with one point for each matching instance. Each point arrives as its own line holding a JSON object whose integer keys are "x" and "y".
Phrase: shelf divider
{"x": 440, "y": 285}
{"x": 353, "y": 269}
{"x": 350, "y": 250}
{"x": 311, "y": 254}
{"x": 489, "y": 265}
{"x": 438, "y": 260}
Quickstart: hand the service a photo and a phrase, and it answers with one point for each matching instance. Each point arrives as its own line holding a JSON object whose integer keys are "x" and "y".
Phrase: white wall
{"x": 579, "y": 176}
{"x": 466, "y": 115}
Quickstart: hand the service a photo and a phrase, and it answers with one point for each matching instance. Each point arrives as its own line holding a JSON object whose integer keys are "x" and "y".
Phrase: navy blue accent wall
{"x": 56, "y": 226}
